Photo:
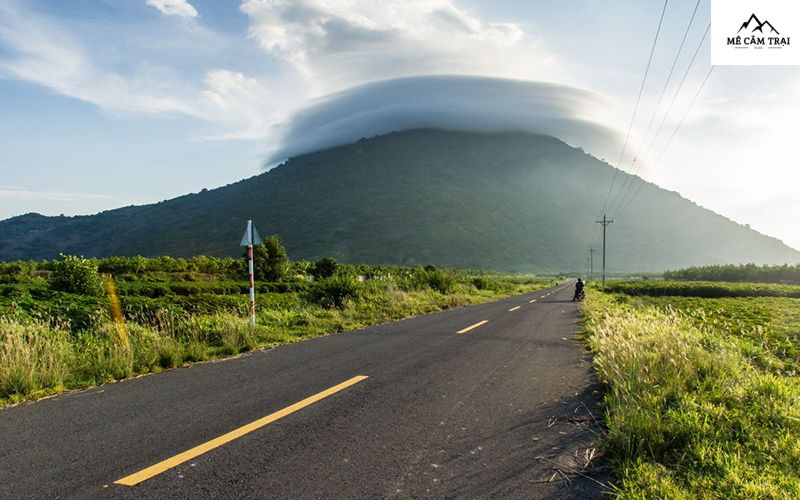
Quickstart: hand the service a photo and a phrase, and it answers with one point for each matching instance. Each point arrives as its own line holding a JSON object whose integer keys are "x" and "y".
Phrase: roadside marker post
{"x": 249, "y": 239}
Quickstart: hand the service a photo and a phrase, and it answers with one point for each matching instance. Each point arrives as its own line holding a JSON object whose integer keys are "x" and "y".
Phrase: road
{"x": 410, "y": 409}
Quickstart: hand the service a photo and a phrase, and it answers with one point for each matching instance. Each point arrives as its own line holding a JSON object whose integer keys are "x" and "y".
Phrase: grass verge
{"x": 46, "y": 354}
{"x": 689, "y": 414}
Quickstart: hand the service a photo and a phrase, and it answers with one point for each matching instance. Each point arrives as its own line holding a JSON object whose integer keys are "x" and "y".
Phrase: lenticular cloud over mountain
{"x": 466, "y": 103}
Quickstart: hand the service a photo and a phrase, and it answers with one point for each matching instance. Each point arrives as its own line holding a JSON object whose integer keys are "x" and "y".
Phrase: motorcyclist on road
{"x": 578, "y": 290}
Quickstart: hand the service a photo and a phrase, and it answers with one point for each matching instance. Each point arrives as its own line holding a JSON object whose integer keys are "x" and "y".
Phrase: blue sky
{"x": 117, "y": 102}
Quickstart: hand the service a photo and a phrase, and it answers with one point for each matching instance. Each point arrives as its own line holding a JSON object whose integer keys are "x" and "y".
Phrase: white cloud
{"x": 339, "y": 43}
{"x": 449, "y": 102}
{"x": 46, "y": 54}
{"x": 180, "y": 8}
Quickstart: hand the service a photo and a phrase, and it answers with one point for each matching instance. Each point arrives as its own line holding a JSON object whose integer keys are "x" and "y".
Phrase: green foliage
{"x": 702, "y": 289}
{"x": 180, "y": 311}
{"x": 335, "y": 291}
{"x": 33, "y": 356}
{"x": 270, "y": 260}
{"x": 325, "y": 267}
{"x": 441, "y": 280}
{"x": 691, "y": 409}
{"x": 76, "y": 275}
{"x": 739, "y": 273}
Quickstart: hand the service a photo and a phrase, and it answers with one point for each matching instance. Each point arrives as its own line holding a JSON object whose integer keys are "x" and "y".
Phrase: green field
{"x": 701, "y": 395}
{"x": 703, "y": 289}
{"x": 178, "y": 311}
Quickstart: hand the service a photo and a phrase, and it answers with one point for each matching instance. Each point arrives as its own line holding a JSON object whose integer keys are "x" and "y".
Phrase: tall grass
{"x": 32, "y": 357}
{"x": 687, "y": 414}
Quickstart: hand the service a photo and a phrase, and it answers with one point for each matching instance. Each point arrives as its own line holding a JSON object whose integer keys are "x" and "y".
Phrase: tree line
{"x": 789, "y": 274}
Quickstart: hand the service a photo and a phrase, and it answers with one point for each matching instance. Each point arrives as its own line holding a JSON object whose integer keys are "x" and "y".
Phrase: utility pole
{"x": 592, "y": 250}
{"x": 605, "y": 222}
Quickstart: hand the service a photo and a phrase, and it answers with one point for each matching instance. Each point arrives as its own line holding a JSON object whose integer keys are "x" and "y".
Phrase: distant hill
{"x": 511, "y": 201}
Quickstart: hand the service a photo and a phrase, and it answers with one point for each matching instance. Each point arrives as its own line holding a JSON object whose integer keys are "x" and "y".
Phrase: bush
{"x": 325, "y": 268}
{"x": 270, "y": 261}
{"x": 76, "y": 275}
{"x": 441, "y": 281}
{"x": 483, "y": 283}
{"x": 334, "y": 291}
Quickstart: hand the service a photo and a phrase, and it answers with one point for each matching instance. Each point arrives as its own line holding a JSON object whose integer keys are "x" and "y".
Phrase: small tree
{"x": 270, "y": 260}
{"x": 76, "y": 275}
{"x": 325, "y": 267}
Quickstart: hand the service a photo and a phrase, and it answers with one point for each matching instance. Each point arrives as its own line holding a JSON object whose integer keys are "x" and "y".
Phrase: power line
{"x": 666, "y": 113}
{"x": 636, "y": 107}
{"x": 674, "y": 133}
{"x": 658, "y": 105}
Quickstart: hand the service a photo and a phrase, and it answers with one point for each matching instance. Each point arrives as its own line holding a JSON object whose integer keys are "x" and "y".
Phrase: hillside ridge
{"x": 506, "y": 201}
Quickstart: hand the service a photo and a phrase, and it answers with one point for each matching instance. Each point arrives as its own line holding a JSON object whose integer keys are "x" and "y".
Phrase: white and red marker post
{"x": 249, "y": 239}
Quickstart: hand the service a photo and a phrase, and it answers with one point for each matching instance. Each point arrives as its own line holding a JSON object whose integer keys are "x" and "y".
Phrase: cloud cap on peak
{"x": 466, "y": 103}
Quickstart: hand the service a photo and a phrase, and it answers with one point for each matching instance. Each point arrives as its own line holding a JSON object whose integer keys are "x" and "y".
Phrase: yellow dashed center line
{"x": 532, "y": 301}
{"x": 472, "y": 327}
{"x": 154, "y": 470}
{"x": 514, "y": 308}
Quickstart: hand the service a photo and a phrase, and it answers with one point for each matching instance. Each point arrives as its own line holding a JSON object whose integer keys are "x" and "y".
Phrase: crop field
{"x": 59, "y": 329}
{"x": 701, "y": 395}
{"x": 702, "y": 289}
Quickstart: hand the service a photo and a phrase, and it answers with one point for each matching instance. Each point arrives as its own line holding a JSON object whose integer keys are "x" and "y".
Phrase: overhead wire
{"x": 636, "y": 107}
{"x": 657, "y": 106}
{"x": 646, "y": 154}
{"x": 674, "y": 133}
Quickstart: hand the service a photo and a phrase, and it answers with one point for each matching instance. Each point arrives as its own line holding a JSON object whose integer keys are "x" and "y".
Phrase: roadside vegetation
{"x": 74, "y": 322}
{"x": 702, "y": 289}
{"x": 701, "y": 395}
{"x": 745, "y": 272}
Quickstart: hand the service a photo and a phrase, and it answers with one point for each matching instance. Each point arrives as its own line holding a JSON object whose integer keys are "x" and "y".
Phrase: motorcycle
{"x": 579, "y": 295}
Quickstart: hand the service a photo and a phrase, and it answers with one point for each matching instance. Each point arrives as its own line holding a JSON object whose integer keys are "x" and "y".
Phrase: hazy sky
{"x": 106, "y": 103}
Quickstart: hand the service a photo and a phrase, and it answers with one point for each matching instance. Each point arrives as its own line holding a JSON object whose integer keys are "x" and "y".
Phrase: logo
{"x": 755, "y": 33}
{"x": 753, "y": 25}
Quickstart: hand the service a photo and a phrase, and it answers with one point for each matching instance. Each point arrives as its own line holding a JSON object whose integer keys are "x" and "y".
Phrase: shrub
{"x": 76, "y": 275}
{"x": 270, "y": 261}
{"x": 441, "y": 281}
{"x": 325, "y": 268}
{"x": 334, "y": 291}
{"x": 484, "y": 283}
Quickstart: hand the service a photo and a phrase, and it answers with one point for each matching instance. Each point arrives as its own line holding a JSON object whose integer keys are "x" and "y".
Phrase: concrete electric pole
{"x": 605, "y": 222}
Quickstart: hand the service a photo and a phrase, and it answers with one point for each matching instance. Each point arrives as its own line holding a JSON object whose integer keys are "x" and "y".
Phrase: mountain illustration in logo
{"x": 759, "y": 25}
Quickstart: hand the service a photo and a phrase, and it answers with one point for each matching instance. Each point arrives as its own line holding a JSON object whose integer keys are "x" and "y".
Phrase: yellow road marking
{"x": 154, "y": 470}
{"x": 532, "y": 301}
{"x": 514, "y": 308}
{"x": 472, "y": 327}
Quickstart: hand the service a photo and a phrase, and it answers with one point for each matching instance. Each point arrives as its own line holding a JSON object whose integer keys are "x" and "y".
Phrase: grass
{"x": 699, "y": 399}
{"x": 51, "y": 342}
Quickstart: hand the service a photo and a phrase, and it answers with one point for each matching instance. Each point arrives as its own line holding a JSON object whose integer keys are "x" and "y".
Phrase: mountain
{"x": 510, "y": 201}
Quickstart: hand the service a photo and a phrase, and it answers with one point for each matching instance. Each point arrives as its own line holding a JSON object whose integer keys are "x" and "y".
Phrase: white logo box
{"x": 771, "y": 35}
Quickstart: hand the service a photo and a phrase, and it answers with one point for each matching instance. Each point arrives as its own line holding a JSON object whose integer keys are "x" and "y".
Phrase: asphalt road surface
{"x": 411, "y": 409}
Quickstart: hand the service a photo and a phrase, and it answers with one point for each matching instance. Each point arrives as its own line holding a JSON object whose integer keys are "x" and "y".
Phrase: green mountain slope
{"x": 509, "y": 201}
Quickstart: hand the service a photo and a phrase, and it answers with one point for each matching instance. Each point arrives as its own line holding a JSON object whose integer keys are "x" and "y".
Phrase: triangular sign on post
{"x": 251, "y": 236}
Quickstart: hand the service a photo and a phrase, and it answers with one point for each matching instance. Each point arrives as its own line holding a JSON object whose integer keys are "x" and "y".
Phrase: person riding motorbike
{"x": 579, "y": 293}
